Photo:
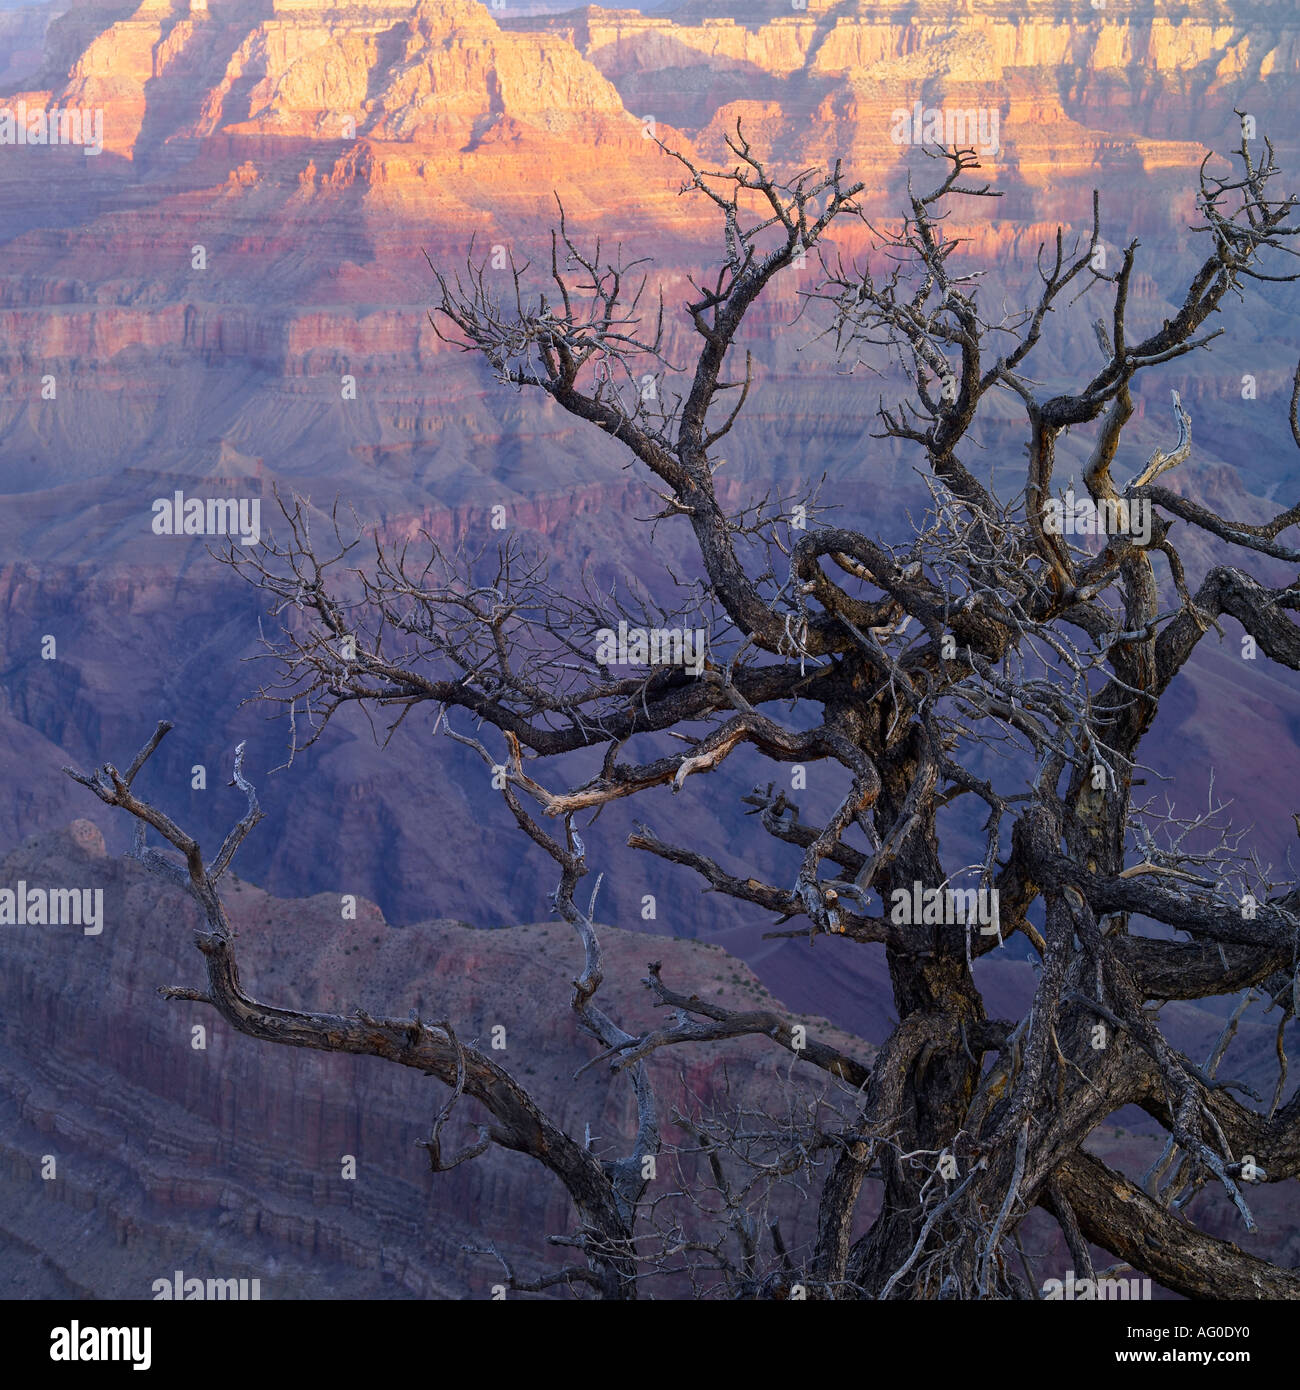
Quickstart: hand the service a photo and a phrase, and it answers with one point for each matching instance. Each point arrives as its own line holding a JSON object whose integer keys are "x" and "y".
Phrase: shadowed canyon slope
{"x": 182, "y": 311}
{"x": 226, "y": 1161}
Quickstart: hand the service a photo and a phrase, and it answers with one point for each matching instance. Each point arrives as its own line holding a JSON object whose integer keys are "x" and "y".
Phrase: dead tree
{"x": 984, "y": 631}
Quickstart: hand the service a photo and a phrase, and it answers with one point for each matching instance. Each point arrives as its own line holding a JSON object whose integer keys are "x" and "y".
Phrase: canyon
{"x": 177, "y": 315}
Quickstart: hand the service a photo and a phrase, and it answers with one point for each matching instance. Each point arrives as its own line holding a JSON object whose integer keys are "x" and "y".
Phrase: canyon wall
{"x": 181, "y": 309}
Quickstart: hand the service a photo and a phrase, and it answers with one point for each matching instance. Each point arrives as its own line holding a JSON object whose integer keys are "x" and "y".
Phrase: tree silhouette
{"x": 991, "y": 658}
